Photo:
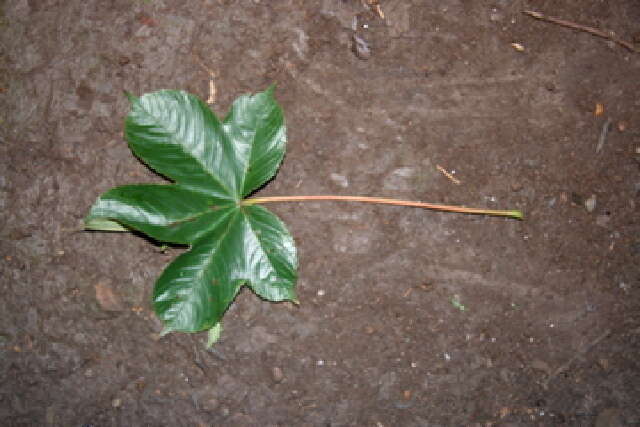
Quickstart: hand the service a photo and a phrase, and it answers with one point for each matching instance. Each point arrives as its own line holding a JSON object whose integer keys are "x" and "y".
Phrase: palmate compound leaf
{"x": 213, "y": 166}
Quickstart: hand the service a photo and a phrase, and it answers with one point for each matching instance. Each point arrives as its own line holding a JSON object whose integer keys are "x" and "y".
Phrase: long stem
{"x": 448, "y": 208}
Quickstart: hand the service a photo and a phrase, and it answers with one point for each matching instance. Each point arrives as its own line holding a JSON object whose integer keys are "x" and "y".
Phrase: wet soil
{"x": 407, "y": 317}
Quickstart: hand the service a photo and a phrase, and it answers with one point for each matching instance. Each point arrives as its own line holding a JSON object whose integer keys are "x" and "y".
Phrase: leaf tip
{"x": 130, "y": 96}
{"x": 166, "y": 330}
{"x": 102, "y": 224}
{"x": 270, "y": 89}
{"x": 214, "y": 334}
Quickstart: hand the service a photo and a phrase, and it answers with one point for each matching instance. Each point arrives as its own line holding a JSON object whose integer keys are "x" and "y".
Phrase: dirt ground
{"x": 407, "y": 317}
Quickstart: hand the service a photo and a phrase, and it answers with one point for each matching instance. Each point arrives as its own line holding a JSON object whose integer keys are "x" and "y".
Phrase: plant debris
{"x": 594, "y": 31}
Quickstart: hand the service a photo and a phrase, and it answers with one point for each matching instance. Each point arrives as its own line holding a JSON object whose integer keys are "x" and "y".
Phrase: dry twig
{"x": 448, "y": 175}
{"x": 594, "y": 31}
{"x": 212, "y": 85}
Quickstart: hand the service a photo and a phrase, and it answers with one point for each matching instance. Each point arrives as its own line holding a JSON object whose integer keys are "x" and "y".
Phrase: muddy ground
{"x": 407, "y": 317}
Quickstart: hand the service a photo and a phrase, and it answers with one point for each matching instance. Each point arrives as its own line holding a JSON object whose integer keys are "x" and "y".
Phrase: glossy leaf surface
{"x": 213, "y": 165}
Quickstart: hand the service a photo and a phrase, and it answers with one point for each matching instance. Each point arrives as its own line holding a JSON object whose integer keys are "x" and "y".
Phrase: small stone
{"x": 623, "y": 125}
{"x": 369, "y": 330}
{"x": 604, "y": 364}
{"x": 341, "y": 180}
{"x": 516, "y": 186}
{"x": 277, "y": 374}
{"x": 107, "y": 298}
{"x": 116, "y": 403}
{"x": 590, "y": 203}
{"x": 360, "y": 47}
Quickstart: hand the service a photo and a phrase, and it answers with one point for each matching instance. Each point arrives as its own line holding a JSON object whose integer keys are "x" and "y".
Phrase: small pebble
{"x": 277, "y": 374}
{"x": 116, "y": 403}
{"x": 590, "y": 203}
{"x": 622, "y": 125}
{"x": 361, "y": 48}
{"x": 341, "y": 180}
{"x": 604, "y": 364}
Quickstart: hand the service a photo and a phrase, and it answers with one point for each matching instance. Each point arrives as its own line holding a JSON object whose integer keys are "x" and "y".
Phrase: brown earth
{"x": 407, "y": 317}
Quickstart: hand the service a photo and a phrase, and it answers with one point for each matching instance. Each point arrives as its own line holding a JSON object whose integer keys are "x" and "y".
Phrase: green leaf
{"x": 168, "y": 213}
{"x": 213, "y": 166}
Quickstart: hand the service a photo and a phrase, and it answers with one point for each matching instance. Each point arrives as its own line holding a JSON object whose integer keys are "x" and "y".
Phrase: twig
{"x": 448, "y": 175}
{"x": 374, "y": 5}
{"x": 603, "y": 135}
{"x": 594, "y": 31}
{"x": 212, "y": 84}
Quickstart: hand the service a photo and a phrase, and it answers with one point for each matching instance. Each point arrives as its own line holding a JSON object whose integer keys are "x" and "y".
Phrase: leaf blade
{"x": 178, "y": 136}
{"x": 167, "y": 213}
{"x": 256, "y": 125}
{"x": 252, "y": 248}
{"x": 272, "y": 259}
{"x": 190, "y": 295}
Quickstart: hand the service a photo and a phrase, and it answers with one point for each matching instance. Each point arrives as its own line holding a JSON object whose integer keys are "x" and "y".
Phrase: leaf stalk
{"x": 515, "y": 214}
